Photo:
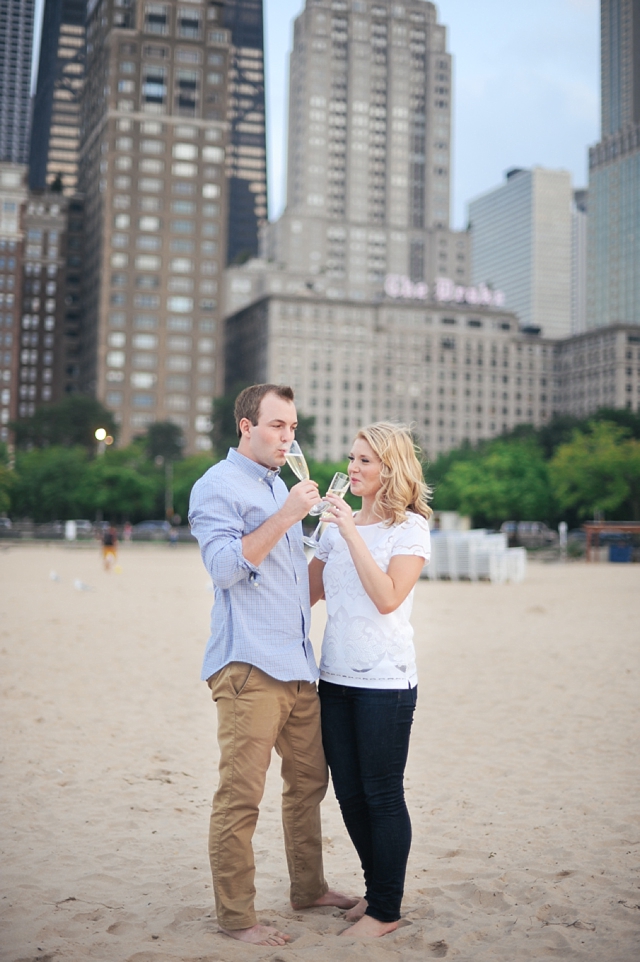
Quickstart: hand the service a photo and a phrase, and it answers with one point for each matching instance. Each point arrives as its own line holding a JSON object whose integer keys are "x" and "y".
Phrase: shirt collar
{"x": 252, "y": 468}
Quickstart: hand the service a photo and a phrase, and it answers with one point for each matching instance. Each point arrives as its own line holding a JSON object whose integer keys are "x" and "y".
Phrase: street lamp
{"x": 100, "y": 435}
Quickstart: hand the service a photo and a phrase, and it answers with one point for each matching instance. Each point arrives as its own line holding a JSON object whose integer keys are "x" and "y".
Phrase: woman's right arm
{"x": 316, "y": 584}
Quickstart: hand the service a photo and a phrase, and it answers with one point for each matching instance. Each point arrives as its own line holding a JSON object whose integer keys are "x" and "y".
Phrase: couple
{"x": 262, "y": 673}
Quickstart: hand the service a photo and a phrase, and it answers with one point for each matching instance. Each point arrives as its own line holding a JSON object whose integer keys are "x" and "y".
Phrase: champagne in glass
{"x": 339, "y": 486}
{"x": 297, "y": 463}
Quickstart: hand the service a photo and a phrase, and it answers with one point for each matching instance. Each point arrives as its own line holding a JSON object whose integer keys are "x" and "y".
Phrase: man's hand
{"x": 257, "y": 545}
{"x": 301, "y": 499}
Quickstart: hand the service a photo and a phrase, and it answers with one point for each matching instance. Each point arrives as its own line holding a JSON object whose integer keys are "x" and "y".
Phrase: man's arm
{"x": 218, "y": 526}
{"x": 257, "y": 545}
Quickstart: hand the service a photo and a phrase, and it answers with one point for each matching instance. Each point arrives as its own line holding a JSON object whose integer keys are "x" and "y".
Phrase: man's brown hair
{"x": 248, "y": 401}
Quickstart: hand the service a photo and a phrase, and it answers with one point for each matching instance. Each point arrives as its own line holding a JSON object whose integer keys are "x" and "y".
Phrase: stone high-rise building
{"x": 613, "y": 292}
{"x": 13, "y": 195}
{"x": 56, "y": 107}
{"x": 369, "y": 155}
{"x": 152, "y": 174}
{"x": 16, "y": 42}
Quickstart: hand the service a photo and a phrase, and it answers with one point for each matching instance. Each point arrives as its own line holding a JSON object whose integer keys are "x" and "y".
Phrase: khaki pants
{"x": 256, "y": 713}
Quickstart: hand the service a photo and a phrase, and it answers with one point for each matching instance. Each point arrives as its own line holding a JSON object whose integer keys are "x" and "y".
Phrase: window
{"x": 189, "y": 23}
{"x": 183, "y": 207}
{"x": 145, "y": 342}
{"x": 148, "y": 242}
{"x": 184, "y": 170}
{"x": 178, "y": 362}
{"x": 143, "y": 380}
{"x": 181, "y": 305}
{"x": 121, "y": 221}
{"x": 188, "y": 56}
{"x": 144, "y": 400}
{"x": 179, "y": 344}
{"x": 181, "y": 265}
{"x": 185, "y": 151}
{"x": 149, "y": 223}
{"x": 151, "y": 184}
{"x": 156, "y": 18}
{"x": 186, "y": 96}
{"x": 182, "y": 226}
{"x": 151, "y": 166}
{"x": 147, "y": 262}
{"x": 154, "y": 86}
{"x": 152, "y": 146}
{"x": 214, "y": 154}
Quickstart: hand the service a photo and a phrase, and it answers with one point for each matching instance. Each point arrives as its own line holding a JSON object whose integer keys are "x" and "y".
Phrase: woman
{"x": 366, "y": 567}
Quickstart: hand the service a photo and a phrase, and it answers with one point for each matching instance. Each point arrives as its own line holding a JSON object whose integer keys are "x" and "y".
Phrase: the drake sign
{"x": 444, "y": 291}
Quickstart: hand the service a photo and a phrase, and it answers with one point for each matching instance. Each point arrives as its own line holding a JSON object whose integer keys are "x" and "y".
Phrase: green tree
{"x": 48, "y": 484}
{"x": 186, "y": 474}
{"x": 70, "y": 422}
{"x": 598, "y": 471}
{"x": 165, "y": 440}
{"x": 507, "y": 480}
{"x": 119, "y": 491}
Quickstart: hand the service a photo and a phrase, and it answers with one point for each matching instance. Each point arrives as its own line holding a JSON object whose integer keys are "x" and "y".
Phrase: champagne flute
{"x": 297, "y": 462}
{"x": 339, "y": 486}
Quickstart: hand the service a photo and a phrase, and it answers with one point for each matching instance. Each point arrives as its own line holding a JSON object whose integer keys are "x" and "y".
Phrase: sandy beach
{"x": 522, "y": 781}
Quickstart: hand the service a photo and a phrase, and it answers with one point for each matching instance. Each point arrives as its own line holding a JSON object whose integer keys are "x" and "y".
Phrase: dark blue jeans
{"x": 365, "y": 733}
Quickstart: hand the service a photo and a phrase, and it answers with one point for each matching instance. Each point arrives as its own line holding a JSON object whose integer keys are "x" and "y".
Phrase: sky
{"x": 526, "y": 90}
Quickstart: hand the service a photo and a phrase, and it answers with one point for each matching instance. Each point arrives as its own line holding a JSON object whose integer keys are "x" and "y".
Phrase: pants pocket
{"x": 238, "y": 675}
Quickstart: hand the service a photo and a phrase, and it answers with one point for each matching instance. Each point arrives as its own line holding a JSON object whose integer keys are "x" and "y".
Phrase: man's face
{"x": 268, "y": 441}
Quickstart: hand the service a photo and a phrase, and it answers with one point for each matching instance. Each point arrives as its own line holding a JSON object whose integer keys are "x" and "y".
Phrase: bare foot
{"x": 369, "y": 928}
{"x": 258, "y": 935}
{"x": 330, "y": 898}
{"x": 356, "y": 913}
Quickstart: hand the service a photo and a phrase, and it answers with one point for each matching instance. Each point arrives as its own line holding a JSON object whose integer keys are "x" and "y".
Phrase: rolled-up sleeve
{"x": 215, "y": 516}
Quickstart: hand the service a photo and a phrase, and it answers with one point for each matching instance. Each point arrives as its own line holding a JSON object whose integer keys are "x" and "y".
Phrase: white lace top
{"x": 362, "y": 648}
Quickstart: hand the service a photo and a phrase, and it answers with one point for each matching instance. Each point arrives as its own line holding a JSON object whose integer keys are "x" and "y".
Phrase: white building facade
{"x": 521, "y": 243}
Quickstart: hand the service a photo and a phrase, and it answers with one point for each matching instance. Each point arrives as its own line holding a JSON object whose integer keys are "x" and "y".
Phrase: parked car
{"x": 84, "y": 528}
{"x": 151, "y": 531}
{"x": 5, "y": 524}
{"x": 529, "y": 534}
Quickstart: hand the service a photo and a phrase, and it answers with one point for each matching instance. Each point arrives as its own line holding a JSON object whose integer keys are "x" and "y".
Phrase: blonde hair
{"x": 402, "y": 484}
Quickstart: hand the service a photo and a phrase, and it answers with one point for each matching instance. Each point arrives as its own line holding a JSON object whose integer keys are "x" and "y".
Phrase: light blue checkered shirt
{"x": 261, "y": 615}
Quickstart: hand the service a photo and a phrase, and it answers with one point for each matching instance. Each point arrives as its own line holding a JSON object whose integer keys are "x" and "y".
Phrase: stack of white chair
{"x": 474, "y": 555}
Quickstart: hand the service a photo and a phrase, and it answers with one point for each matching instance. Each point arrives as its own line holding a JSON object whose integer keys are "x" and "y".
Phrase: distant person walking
{"x": 366, "y": 568}
{"x": 259, "y": 663}
{"x": 109, "y": 547}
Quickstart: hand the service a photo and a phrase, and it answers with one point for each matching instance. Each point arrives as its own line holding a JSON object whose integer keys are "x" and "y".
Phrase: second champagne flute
{"x": 339, "y": 486}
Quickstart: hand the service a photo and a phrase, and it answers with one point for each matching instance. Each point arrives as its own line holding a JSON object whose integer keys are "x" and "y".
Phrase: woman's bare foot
{"x": 258, "y": 935}
{"x": 369, "y": 928}
{"x": 356, "y": 913}
{"x": 337, "y": 899}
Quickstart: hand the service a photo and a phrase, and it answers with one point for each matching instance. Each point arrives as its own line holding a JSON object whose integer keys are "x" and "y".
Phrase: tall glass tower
{"x": 246, "y": 149}
{"x": 613, "y": 293}
{"x": 56, "y": 108}
{"x": 16, "y": 42}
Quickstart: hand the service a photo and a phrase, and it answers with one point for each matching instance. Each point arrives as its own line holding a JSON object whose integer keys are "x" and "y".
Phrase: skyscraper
{"x": 369, "y": 148}
{"x": 246, "y": 149}
{"x": 521, "y": 243}
{"x": 152, "y": 175}
{"x": 56, "y": 107}
{"x": 16, "y": 41}
{"x": 613, "y": 245}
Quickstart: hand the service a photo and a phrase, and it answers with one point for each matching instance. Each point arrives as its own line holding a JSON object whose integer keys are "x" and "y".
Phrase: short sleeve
{"x": 326, "y": 543}
{"x": 413, "y": 538}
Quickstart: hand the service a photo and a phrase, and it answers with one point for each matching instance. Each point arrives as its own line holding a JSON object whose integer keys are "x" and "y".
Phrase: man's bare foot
{"x": 356, "y": 913}
{"x": 369, "y": 928}
{"x": 336, "y": 899}
{"x": 258, "y": 935}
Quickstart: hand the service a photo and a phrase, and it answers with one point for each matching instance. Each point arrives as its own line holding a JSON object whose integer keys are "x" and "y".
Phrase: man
{"x": 259, "y": 662}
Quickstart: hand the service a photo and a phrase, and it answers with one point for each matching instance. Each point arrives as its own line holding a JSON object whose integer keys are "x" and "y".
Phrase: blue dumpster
{"x": 620, "y": 553}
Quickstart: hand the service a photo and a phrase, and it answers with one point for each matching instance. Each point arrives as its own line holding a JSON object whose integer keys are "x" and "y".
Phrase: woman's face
{"x": 364, "y": 469}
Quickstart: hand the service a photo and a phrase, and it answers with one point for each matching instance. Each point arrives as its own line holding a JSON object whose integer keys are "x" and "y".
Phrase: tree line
{"x": 570, "y": 469}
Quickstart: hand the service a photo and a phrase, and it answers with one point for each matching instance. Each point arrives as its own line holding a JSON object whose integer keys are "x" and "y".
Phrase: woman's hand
{"x": 341, "y": 515}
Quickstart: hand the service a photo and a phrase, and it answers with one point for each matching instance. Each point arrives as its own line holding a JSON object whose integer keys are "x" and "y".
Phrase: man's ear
{"x": 244, "y": 426}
